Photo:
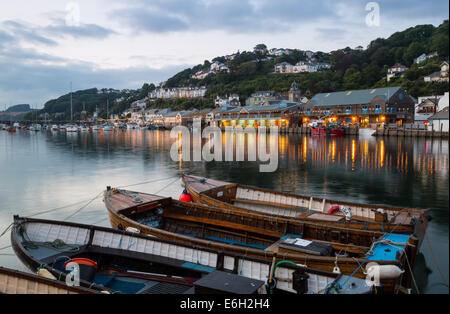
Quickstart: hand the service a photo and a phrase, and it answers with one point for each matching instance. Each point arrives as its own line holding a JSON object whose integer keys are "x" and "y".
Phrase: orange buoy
{"x": 185, "y": 197}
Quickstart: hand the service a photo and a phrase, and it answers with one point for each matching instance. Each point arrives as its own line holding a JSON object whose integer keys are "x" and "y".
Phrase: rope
{"x": 83, "y": 207}
{"x": 145, "y": 182}
{"x": 56, "y": 209}
{"x": 167, "y": 185}
{"x": 435, "y": 262}
{"x": 5, "y": 247}
{"x": 7, "y": 228}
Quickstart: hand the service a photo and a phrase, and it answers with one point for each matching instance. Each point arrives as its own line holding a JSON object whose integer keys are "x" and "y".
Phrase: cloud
{"x": 27, "y": 33}
{"x": 26, "y": 77}
{"x": 83, "y": 30}
{"x": 230, "y": 15}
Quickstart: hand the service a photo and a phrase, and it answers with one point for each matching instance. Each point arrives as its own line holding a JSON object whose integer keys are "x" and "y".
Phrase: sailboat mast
{"x": 71, "y": 109}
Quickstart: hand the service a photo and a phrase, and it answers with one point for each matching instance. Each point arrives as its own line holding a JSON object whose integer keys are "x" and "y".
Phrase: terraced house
{"x": 367, "y": 106}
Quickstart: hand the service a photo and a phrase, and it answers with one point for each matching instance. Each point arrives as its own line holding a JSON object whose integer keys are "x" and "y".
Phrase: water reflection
{"x": 50, "y": 169}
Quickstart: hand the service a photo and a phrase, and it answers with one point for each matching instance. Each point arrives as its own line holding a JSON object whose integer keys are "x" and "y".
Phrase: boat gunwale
{"x": 51, "y": 282}
{"x": 242, "y": 250}
{"x": 238, "y": 185}
{"x": 20, "y": 250}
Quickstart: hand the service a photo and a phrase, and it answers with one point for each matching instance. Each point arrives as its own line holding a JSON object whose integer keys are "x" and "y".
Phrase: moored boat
{"x": 262, "y": 236}
{"x": 128, "y": 262}
{"x": 307, "y": 208}
{"x": 18, "y": 282}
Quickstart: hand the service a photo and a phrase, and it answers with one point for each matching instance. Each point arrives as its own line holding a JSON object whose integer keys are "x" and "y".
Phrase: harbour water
{"x": 50, "y": 170}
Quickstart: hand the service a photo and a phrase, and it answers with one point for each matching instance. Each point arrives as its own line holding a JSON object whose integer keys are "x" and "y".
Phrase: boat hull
{"x": 407, "y": 221}
{"x": 206, "y": 215}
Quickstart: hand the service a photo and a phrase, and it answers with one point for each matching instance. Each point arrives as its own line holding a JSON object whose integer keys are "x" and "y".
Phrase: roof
{"x": 435, "y": 74}
{"x": 274, "y": 105}
{"x": 441, "y": 115}
{"x": 353, "y": 97}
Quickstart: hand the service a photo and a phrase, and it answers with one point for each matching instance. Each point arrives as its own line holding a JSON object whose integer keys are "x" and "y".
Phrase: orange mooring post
{"x": 185, "y": 197}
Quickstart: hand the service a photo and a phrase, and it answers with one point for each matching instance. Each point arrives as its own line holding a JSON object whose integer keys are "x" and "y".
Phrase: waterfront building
{"x": 425, "y": 108}
{"x": 280, "y": 113}
{"x": 439, "y": 121}
{"x": 368, "y": 106}
{"x": 260, "y": 97}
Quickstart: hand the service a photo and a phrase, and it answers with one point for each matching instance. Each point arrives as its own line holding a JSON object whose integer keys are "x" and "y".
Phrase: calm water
{"x": 46, "y": 170}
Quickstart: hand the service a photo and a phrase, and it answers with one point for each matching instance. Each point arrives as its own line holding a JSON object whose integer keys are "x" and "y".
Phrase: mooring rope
{"x": 435, "y": 262}
{"x": 83, "y": 207}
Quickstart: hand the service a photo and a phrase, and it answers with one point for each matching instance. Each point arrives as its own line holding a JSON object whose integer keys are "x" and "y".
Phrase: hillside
{"x": 357, "y": 68}
{"x": 351, "y": 68}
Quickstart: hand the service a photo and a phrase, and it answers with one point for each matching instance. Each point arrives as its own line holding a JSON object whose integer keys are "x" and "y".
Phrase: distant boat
{"x": 84, "y": 129}
{"x": 72, "y": 129}
{"x": 55, "y": 127}
{"x": 107, "y": 128}
{"x": 96, "y": 128}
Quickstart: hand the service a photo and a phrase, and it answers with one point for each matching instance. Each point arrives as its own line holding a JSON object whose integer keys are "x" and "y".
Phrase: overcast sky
{"x": 46, "y": 44}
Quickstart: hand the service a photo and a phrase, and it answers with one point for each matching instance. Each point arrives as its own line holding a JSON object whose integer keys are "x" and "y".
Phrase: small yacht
{"x": 84, "y": 128}
{"x": 55, "y": 127}
{"x": 72, "y": 128}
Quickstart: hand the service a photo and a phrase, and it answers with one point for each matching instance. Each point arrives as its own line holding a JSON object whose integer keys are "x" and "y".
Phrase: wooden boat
{"x": 145, "y": 262}
{"x": 317, "y": 246}
{"x": 308, "y": 209}
{"x": 17, "y": 282}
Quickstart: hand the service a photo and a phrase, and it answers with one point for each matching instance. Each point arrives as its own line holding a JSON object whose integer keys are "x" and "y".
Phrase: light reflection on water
{"x": 39, "y": 171}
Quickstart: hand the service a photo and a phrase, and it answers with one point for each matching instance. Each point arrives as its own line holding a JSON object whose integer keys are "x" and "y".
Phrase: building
{"x": 219, "y": 66}
{"x": 439, "y": 121}
{"x": 444, "y": 71}
{"x": 368, "y": 106}
{"x": 433, "y": 77}
{"x": 260, "y": 97}
{"x": 396, "y": 70}
{"x": 295, "y": 94}
{"x": 232, "y": 100}
{"x": 423, "y": 57}
{"x": 178, "y": 92}
{"x": 200, "y": 75}
{"x": 280, "y": 113}
{"x": 284, "y": 67}
{"x": 426, "y": 107}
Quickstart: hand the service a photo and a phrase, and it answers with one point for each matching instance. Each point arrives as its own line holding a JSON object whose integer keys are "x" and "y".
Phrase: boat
{"x": 84, "y": 128}
{"x": 55, "y": 127}
{"x": 107, "y": 128}
{"x": 336, "y": 130}
{"x": 18, "y": 282}
{"x": 113, "y": 261}
{"x": 152, "y": 127}
{"x": 71, "y": 128}
{"x": 317, "y": 246}
{"x": 308, "y": 209}
{"x": 96, "y": 128}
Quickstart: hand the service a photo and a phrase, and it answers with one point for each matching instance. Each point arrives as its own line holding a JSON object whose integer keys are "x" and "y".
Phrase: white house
{"x": 284, "y": 67}
{"x": 232, "y": 100}
{"x": 439, "y": 121}
{"x": 396, "y": 70}
{"x": 219, "y": 66}
{"x": 423, "y": 57}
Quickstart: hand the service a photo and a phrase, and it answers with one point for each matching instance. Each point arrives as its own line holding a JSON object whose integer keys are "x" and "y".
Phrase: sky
{"x": 46, "y": 44}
